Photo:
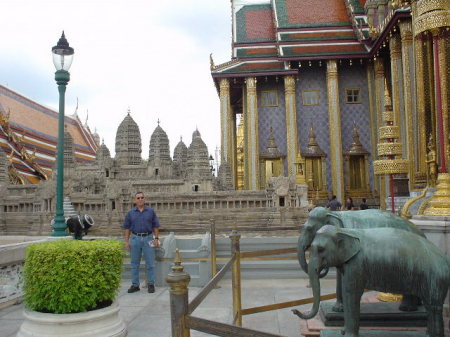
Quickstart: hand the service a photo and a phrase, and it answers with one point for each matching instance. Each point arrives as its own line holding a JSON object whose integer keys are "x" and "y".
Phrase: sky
{"x": 149, "y": 56}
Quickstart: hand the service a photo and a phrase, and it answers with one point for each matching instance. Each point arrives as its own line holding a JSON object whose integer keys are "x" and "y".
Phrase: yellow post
{"x": 178, "y": 281}
{"x": 236, "y": 278}
{"x": 213, "y": 247}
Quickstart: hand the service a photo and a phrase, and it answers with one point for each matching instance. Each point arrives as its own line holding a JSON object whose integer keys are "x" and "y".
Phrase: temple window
{"x": 353, "y": 95}
{"x": 269, "y": 98}
{"x": 310, "y": 97}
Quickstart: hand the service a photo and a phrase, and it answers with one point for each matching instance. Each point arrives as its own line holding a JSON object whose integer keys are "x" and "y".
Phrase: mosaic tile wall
{"x": 314, "y": 77}
{"x": 354, "y": 76}
{"x": 272, "y": 116}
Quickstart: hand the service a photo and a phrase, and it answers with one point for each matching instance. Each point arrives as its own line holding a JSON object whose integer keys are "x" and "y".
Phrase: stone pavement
{"x": 149, "y": 314}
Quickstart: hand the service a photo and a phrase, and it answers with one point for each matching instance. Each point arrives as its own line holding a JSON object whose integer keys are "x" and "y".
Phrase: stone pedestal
{"x": 375, "y": 315}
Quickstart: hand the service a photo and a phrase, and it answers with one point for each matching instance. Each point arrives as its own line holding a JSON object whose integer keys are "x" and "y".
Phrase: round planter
{"x": 104, "y": 322}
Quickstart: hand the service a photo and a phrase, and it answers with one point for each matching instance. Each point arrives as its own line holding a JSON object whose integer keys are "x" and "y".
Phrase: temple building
{"x": 29, "y": 134}
{"x": 350, "y": 91}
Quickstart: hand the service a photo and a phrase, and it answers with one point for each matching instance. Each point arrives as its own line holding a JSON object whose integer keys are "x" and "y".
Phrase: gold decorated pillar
{"x": 227, "y": 153}
{"x": 334, "y": 120}
{"x": 408, "y": 85}
{"x": 421, "y": 133}
{"x": 444, "y": 63}
{"x": 379, "y": 108}
{"x": 432, "y": 18}
{"x": 291, "y": 124}
{"x": 396, "y": 71}
{"x": 252, "y": 136}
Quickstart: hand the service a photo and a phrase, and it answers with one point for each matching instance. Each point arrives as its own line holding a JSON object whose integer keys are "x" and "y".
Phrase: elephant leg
{"x": 409, "y": 303}
{"x": 338, "y": 306}
{"x": 435, "y": 326}
{"x": 352, "y": 301}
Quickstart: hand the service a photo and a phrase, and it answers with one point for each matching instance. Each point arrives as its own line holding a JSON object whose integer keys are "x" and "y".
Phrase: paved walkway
{"x": 149, "y": 314}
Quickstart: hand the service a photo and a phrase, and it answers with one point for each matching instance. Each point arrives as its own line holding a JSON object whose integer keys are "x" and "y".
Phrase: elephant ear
{"x": 335, "y": 220}
{"x": 348, "y": 245}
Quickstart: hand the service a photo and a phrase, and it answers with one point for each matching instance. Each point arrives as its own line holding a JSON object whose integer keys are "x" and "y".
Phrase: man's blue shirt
{"x": 141, "y": 222}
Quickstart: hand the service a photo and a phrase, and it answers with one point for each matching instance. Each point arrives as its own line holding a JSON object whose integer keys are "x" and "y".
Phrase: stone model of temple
{"x": 182, "y": 189}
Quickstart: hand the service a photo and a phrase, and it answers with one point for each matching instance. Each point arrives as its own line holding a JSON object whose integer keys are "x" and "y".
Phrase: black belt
{"x": 141, "y": 234}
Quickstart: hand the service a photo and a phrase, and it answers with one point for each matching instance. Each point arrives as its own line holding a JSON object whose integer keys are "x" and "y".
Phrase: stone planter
{"x": 104, "y": 322}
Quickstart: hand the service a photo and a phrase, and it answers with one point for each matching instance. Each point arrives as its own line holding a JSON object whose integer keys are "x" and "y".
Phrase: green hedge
{"x": 67, "y": 276}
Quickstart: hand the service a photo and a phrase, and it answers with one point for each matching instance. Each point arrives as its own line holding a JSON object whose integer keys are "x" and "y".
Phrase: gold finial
{"x": 177, "y": 267}
{"x": 10, "y": 157}
{"x": 177, "y": 259}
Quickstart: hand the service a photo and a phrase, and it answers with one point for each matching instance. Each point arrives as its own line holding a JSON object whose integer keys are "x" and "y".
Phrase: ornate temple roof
{"x": 128, "y": 142}
{"x": 180, "y": 152}
{"x": 159, "y": 145}
{"x": 268, "y": 36}
{"x": 103, "y": 151}
{"x": 313, "y": 149}
{"x": 356, "y": 148}
{"x": 197, "y": 158}
{"x": 29, "y": 132}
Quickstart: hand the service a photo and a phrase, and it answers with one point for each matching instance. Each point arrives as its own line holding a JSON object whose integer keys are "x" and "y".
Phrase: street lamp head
{"x": 62, "y": 54}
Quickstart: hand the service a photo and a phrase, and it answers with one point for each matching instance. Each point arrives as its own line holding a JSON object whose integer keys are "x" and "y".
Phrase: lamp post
{"x": 62, "y": 59}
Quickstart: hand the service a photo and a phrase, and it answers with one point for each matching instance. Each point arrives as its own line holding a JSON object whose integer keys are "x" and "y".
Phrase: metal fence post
{"x": 178, "y": 281}
{"x": 213, "y": 248}
{"x": 236, "y": 277}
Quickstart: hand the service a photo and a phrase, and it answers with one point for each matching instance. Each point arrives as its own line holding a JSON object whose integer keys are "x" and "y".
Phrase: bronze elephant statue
{"x": 382, "y": 259}
{"x": 371, "y": 218}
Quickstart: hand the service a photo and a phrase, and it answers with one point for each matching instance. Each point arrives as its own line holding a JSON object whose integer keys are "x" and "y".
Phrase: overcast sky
{"x": 147, "y": 55}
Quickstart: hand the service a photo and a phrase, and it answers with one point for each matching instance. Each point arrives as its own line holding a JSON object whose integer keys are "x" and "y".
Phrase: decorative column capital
{"x": 379, "y": 68}
{"x": 406, "y": 31}
{"x": 395, "y": 46}
{"x": 430, "y": 14}
{"x": 251, "y": 84}
{"x": 224, "y": 85}
{"x": 332, "y": 68}
{"x": 289, "y": 84}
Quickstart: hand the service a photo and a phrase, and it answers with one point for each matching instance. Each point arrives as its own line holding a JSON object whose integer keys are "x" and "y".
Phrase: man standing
{"x": 141, "y": 227}
{"x": 334, "y": 204}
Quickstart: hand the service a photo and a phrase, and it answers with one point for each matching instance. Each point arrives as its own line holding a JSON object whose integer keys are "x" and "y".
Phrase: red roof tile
{"x": 314, "y": 11}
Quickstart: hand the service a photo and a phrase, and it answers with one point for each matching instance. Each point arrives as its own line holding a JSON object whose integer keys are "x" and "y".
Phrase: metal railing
{"x": 181, "y": 310}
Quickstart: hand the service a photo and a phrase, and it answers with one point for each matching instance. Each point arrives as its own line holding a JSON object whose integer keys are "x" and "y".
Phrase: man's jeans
{"x": 140, "y": 245}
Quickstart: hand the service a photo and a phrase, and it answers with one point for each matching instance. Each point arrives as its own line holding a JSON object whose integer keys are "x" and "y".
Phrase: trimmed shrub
{"x": 68, "y": 276}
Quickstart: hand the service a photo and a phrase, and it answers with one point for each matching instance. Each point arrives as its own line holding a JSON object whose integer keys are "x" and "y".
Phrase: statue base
{"x": 378, "y": 314}
{"x": 375, "y": 333}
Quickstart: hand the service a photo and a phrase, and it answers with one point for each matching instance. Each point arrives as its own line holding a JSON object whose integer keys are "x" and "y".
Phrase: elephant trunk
{"x": 315, "y": 285}
{"x": 304, "y": 242}
{"x": 303, "y": 245}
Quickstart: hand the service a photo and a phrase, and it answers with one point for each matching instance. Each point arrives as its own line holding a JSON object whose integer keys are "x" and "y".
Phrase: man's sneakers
{"x": 133, "y": 289}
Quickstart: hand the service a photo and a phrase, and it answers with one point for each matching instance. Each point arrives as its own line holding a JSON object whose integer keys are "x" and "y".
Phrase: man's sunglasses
{"x": 139, "y": 198}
